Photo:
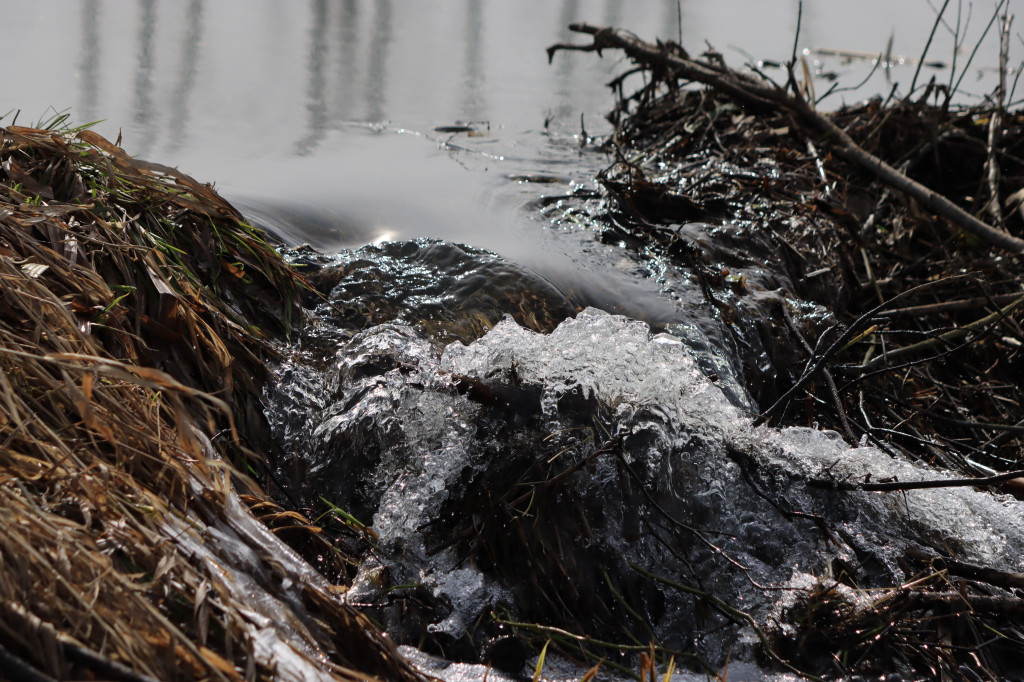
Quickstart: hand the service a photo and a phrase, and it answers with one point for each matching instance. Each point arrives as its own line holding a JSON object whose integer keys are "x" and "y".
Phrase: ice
{"x": 693, "y": 492}
{"x": 608, "y": 357}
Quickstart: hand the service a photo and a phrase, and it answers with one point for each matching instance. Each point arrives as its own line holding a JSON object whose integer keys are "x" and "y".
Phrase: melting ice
{"x": 578, "y": 478}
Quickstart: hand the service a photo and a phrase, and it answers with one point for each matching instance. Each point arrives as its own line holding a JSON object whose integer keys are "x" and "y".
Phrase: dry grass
{"x": 136, "y": 309}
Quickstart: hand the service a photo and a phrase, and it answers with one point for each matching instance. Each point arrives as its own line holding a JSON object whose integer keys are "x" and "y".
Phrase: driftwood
{"x": 762, "y": 94}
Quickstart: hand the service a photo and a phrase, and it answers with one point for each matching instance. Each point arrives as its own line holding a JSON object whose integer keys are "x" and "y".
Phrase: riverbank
{"x": 138, "y": 314}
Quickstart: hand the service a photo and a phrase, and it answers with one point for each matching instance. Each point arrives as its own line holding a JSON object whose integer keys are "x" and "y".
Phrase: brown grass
{"x": 136, "y": 314}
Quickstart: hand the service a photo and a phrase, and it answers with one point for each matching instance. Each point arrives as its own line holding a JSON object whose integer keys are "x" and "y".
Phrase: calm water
{"x": 319, "y": 118}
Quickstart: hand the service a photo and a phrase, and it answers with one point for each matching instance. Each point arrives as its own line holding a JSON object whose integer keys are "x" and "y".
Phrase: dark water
{"x": 440, "y": 167}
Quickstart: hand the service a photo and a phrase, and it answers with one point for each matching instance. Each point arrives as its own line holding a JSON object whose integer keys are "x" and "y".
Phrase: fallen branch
{"x": 964, "y": 603}
{"x": 969, "y": 571}
{"x": 892, "y": 486}
{"x": 758, "y": 94}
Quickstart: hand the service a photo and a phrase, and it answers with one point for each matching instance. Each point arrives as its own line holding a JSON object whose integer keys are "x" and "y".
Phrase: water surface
{"x": 331, "y": 107}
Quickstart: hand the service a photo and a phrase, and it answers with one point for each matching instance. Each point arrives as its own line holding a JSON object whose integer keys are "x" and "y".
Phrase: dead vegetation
{"x": 136, "y": 310}
{"x": 926, "y": 311}
{"x": 880, "y": 247}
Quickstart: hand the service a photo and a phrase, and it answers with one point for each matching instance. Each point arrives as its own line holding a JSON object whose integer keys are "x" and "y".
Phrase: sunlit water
{"x": 331, "y": 106}
{"x": 329, "y": 123}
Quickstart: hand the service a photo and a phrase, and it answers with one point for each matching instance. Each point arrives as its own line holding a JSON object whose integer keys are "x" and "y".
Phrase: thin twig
{"x": 924, "y": 52}
{"x": 947, "y": 337}
{"x": 995, "y": 15}
{"x": 838, "y": 345}
{"x": 995, "y": 126}
{"x": 892, "y": 486}
{"x": 796, "y": 36}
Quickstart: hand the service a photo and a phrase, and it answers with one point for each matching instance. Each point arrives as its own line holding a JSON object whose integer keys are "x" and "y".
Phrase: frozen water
{"x": 618, "y": 362}
{"x": 689, "y": 491}
{"x": 602, "y": 356}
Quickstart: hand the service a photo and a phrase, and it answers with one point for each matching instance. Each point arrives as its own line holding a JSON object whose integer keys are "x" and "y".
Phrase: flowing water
{"x": 474, "y": 334}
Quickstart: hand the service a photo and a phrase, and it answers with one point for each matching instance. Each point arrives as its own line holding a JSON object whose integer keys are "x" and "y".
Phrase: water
{"x": 413, "y": 402}
{"x": 331, "y": 107}
{"x": 319, "y": 119}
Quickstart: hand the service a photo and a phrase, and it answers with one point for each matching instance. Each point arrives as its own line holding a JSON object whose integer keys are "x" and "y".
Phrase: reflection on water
{"x": 316, "y": 105}
{"x": 473, "y": 102}
{"x": 377, "y": 65}
{"x": 212, "y": 77}
{"x": 89, "y": 62}
{"x": 144, "y": 71}
{"x": 191, "y": 56}
{"x": 347, "y": 24}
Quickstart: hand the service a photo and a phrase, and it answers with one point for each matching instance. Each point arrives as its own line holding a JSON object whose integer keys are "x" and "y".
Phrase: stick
{"x": 891, "y": 486}
{"x": 948, "y": 306}
{"x": 948, "y": 337}
{"x": 757, "y": 94}
{"x": 924, "y": 53}
{"x": 833, "y": 391}
{"x": 969, "y": 571}
{"x": 995, "y": 125}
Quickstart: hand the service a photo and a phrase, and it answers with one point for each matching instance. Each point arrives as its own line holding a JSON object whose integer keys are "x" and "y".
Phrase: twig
{"x": 796, "y": 37}
{"x": 947, "y": 337}
{"x": 560, "y": 633}
{"x": 892, "y": 486}
{"x": 838, "y": 345}
{"x": 833, "y": 391}
{"x": 835, "y": 89}
{"x": 924, "y": 53}
{"x": 995, "y": 125}
{"x": 995, "y": 15}
{"x": 727, "y": 610}
{"x": 969, "y": 571}
{"x": 957, "y": 43}
{"x": 966, "y": 602}
{"x": 948, "y": 306}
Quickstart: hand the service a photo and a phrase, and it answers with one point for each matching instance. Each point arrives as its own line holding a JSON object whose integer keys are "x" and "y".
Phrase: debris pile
{"x": 895, "y": 264}
{"x": 884, "y": 243}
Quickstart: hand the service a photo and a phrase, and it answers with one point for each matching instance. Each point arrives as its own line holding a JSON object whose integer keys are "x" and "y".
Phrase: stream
{"x": 540, "y": 424}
